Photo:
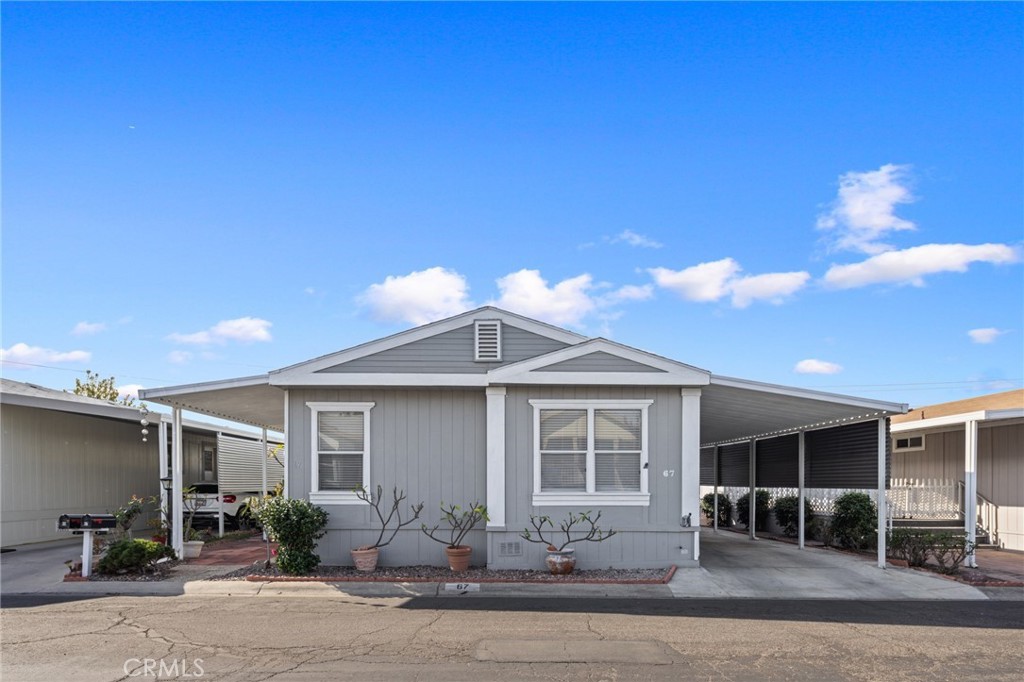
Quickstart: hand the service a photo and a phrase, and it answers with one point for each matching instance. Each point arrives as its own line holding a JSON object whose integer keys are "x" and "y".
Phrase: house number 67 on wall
{"x": 668, "y": 473}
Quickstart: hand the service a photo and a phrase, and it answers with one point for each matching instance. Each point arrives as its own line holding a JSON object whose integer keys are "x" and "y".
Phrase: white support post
{"x": 220, "y": 495}
{"x": 689, "y": 463}
{"x": 496, "y": 457}
{"x": 971, "y": 489}
{"x": 177, "y": 513}
{"x": 800, "y": 455}
{"x": 715, "y": 524}
{"x": 881, "y": 492}
{"x": 752, "y": 495}
{"x": 165, "y": 468}
{"x": 263, "y": 460}
{"x": 284, "y": 451}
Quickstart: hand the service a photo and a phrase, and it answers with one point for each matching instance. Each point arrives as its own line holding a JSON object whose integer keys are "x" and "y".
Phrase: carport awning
{"x": 731, "y": 409}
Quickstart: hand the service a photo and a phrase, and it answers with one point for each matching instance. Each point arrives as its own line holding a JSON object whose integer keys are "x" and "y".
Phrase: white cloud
{"x": 703, "y": 282}
{"x": 714, "y": 280}
{"x": 527, "y": 293}
{"x": 863, "y": 212}
{"x": 242, "y": 330}
{"x": 129, "y": 390}
{"x": 629, "y": 292}
{"x": 88, "y": 328}
{"x": 634, "y": 239}
{"x": 812, "y": 366}
{"x": 22, "y": 353}
{"x": 985, "y": 334}
{"x": 179, "y": 357}
{"x": 909, "y": 266}
{"x": 419, "y": 297}
{"x": 773, "y": 287}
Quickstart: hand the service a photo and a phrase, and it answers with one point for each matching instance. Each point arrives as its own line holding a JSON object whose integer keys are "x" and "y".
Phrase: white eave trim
{"x": 292, "y": 373}
{"x": 342, "y": 379}
{"x": 531, "y": 371}
{"x": 170, "y": 392}
{"x": 71, "y": 406}
{"x": 809, "y": 394}
{"x": 956, "y": 420}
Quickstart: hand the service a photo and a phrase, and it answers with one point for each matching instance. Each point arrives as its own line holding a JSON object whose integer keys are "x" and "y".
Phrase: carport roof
{"x": 731, "y": 409}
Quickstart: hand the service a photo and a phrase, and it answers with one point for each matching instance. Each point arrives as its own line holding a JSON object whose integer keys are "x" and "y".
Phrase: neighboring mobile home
{"x": 966, "y": 458}
{"x": 526, "y": 418}
{"x": 65, "y": 453}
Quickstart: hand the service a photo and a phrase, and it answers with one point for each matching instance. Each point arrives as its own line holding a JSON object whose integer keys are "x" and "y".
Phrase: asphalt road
{"x": 311, "y": 639}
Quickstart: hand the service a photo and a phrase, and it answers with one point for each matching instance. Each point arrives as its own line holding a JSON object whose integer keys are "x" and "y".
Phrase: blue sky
{"x": 822, "y": 195}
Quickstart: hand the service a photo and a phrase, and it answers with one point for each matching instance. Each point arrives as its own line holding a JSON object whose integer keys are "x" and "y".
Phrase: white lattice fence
{"x": 924, "y": 498}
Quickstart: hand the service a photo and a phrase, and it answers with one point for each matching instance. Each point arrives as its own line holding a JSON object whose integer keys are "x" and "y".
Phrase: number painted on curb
{"x": 462, "y": 587}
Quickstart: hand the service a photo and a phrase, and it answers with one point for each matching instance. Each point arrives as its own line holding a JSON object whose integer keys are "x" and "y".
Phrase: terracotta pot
{"x": 365, "y": 559}
{"x": 561, "y": 562}
{"x": 458, "y": 557}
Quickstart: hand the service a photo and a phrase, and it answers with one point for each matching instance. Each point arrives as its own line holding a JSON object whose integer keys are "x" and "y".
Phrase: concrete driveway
{"x": 732, "y": 565}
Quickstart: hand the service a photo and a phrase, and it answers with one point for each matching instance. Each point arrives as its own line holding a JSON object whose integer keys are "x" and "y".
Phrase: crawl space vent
{"x": 510, "y": 549}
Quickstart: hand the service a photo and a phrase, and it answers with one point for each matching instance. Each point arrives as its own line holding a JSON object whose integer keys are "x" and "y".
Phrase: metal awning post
{"x": 800, "y": 455}
{"x": 177, "y": 512}
{"x": 165, "y": 468}
{"x": 715, "y": 525}
{"x": 263, "y": 460}
{"x": 881, "y": 492}
{"x": 971, "y": 490}
{"x": 752, "y": 496}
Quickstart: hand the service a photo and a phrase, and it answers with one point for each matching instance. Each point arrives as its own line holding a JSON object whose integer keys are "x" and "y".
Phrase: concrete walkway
{"x": 734, "y": 566}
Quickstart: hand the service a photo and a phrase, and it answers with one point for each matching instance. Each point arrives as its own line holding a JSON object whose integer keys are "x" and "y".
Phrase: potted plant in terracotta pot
{"x": 365, "y": 557}
{"x": 561, "y": 559}
{"x": 460, "y": 521}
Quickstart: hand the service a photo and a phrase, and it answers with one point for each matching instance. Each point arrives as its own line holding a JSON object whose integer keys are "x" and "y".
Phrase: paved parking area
{"x": 732, "y": 565}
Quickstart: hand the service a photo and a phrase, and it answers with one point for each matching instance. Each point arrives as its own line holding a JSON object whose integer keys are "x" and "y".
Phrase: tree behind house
{"x": 103, "y": 389}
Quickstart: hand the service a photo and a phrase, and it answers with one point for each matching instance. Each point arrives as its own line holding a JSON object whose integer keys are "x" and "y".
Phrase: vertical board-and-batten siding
{"x": 450, "y": 352}
{"x": 59, "y": 462}
{"x": 240, "y": 465}
{"x": 431, "y": 443}
{"x": 648, "y": 536}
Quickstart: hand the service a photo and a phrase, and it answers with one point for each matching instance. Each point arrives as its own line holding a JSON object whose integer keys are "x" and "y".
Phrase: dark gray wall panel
{"x": 707, "y": 466}
{"x": 845, "y": 456}
{"x": 777, "y": 462}
{"x": 734, "y": 463}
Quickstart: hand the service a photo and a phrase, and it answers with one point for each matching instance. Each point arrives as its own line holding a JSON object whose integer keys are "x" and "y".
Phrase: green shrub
{"x": 949, "y": 551}
{"x": 917, "y": 546}
{"x": 854, "y": 521}
{"x": 707, "y": 507}
{"x": 761, "y": 500}
{"x": 787, "y": 515}
{"x": 910, "y": 545}
{"x": 295, "y": 525}
{"x": 133, "y": 556}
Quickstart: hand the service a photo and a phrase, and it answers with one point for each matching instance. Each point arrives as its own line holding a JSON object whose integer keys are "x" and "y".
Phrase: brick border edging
{"x": 383, "y": 579}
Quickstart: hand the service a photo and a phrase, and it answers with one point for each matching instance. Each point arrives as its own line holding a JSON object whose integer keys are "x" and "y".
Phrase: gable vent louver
{"x": 488, "y": 340}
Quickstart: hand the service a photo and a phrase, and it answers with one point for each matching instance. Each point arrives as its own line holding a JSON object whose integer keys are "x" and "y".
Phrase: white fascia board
{"x": 956, "y": 420}
{"x": 341, "y": 380}
{"x": 155, "y": 394}
{"x": 794, "y": 392}
{"x": 423, "y": 332}
{"x": 72, "y": 406}
{"x": 600, "y": 379}
{"x": 531, "y": 370}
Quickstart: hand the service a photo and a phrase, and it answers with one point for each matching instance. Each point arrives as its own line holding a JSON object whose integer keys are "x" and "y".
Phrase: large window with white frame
{"x": 341, "y": 451}
{"x": 590, "y": 452}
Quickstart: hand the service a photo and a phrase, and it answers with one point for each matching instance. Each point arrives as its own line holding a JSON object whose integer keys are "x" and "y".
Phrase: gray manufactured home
{"x": 524, "y": 417}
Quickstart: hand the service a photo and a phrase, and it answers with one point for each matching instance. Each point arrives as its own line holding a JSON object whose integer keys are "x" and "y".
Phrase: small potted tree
{"x": 460, "y": 521}
{"x": 561, "y": 559}
{"x": 192, "y": 544}
{"x": 365, "y": 557}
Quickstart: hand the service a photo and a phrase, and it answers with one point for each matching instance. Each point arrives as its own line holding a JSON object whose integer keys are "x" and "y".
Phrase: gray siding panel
{"x": 429, "y": 443}
{"x": 707, "y": 466}
{"x": 599, "y": 362}
{"x": 844, "y": 456}
{"x": 58, "y": 462}
{"x": 240, "y": 466}
{"x": 450, "y": 352}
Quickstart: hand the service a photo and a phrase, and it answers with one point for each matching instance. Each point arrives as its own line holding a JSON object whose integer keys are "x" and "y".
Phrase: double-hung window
{"x": 590, "y": 452}
{"x": 341, "y": 451}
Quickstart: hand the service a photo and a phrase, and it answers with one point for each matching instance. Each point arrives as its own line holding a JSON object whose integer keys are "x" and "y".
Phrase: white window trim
{"x": 914, "y": 448}
{"x": 317, "y": 496}
{"x": 592, "y": 497}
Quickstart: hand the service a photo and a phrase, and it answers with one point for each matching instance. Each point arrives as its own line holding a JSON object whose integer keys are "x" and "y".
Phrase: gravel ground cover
{"x": 441, "y": 574}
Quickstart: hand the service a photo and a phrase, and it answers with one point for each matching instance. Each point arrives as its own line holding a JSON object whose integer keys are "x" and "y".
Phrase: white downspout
{"x": 801, "y": 521}
{"x": 971, "y": 489}
{"x": 881, "y": 492}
